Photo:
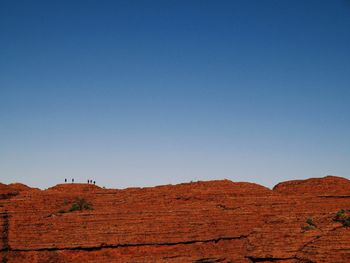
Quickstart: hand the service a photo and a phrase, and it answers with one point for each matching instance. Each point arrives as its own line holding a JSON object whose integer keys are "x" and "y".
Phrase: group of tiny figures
{"x": 88, "y": 181}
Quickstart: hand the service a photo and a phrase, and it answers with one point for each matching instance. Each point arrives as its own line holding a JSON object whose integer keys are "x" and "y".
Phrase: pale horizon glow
{"x": 145, "y": 93}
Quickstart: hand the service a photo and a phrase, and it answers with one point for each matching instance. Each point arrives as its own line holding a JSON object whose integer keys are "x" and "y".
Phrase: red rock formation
{"x": 215, "y": 221}
{"x": 8, "y": 191}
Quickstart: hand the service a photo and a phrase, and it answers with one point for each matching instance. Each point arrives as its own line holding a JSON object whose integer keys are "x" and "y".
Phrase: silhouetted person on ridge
{"x": 65, "y": 180}
{"x": 72, "y": 180}
{"x": 94, "y": 182}
{"x": 88, "y": 181}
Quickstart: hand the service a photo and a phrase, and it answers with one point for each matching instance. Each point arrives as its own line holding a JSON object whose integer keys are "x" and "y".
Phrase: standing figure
{"x": 88, "y": 181}
{"x": 72, "y": 180}
{"x": 65, "y": 180}
{"x": 94, "y": 182}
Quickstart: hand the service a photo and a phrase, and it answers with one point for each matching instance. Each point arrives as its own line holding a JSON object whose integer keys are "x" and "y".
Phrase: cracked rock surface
{"x": 213, "y": 221}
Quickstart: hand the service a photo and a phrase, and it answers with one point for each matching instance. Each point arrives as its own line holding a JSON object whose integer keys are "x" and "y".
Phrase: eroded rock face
{"x": 8, "y": 191}
{"x": 215, "y": 221}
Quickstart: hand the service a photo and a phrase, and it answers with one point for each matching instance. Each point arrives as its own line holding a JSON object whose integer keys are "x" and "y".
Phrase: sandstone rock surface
{"x": 213, "y": 221}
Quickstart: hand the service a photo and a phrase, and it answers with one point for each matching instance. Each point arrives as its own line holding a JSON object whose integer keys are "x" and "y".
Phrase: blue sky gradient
{"x": 142, "y": 93}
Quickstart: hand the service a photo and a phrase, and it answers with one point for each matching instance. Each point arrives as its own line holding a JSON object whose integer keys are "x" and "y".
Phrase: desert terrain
{"x": 199, "y": 222}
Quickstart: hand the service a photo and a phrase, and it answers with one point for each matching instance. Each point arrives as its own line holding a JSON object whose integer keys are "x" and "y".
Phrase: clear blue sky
{"x": 142, "y": 93}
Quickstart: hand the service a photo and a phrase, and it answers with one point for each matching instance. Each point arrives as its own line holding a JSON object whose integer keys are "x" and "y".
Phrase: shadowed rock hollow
{"x": 214, "y": 221}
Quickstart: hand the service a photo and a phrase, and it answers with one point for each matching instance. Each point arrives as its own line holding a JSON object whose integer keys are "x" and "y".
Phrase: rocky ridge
{"x": 201, "y": 222}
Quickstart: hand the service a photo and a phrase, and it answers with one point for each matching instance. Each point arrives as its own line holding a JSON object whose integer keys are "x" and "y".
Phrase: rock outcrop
{"x": 202, "y": 222}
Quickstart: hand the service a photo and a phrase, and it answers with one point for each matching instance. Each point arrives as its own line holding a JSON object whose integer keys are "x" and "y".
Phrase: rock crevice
{"x": 214, "y": 221}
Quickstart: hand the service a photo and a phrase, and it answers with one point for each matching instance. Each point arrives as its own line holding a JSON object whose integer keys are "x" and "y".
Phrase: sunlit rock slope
{"x": 202, "y": 222}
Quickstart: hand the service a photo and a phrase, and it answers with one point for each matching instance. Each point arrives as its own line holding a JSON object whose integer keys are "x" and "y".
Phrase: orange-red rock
{"x": 214, "y": 221}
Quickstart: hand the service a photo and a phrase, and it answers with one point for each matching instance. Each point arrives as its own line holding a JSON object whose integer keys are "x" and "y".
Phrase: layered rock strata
{"x": 202, "y": 222}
